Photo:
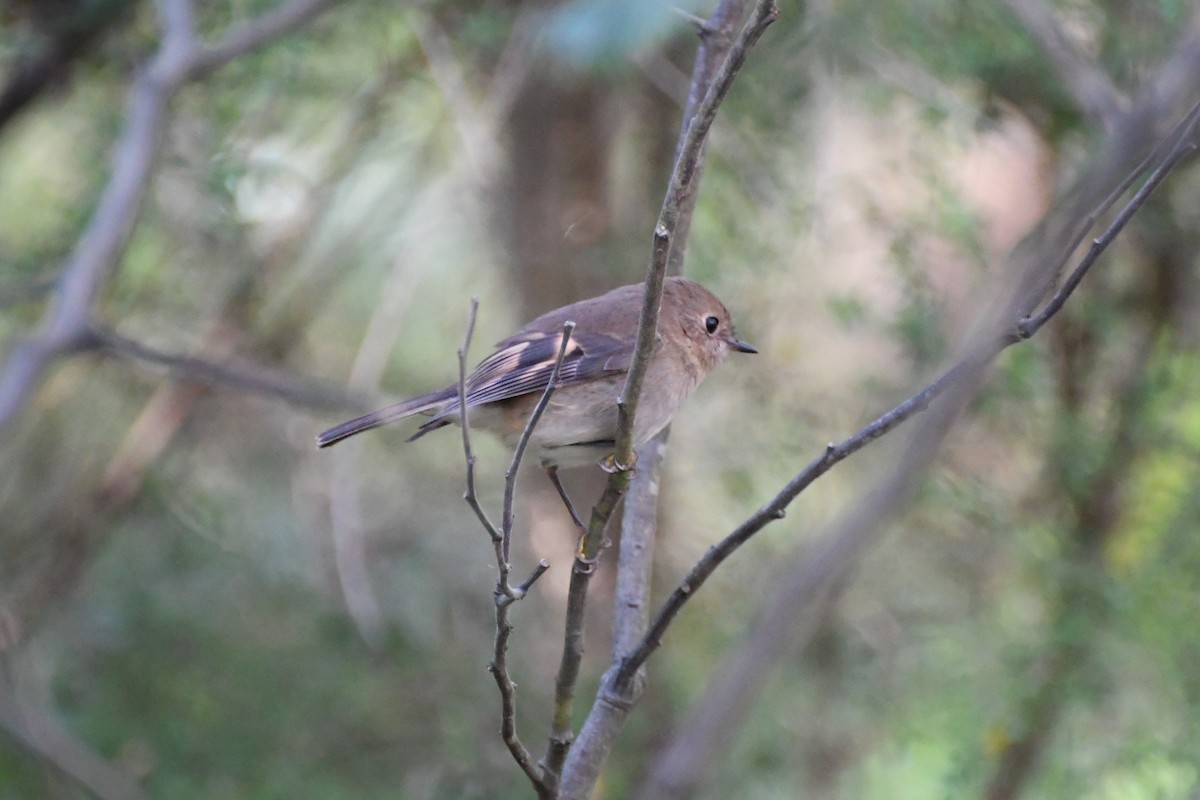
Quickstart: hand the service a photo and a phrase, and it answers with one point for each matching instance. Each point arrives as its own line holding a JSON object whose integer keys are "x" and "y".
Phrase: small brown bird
{"x": 579, "y": 425}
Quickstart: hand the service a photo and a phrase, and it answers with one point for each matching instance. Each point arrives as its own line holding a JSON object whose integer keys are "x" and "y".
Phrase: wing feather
{"x": 524, "y": 364}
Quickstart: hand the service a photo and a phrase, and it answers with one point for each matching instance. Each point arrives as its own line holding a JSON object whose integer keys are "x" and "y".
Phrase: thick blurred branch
{"x": 256, "y": 379}
{"x": 37, "y": 733}
{"x": 179, "y": 59}
{"x": 1080, "y": 74}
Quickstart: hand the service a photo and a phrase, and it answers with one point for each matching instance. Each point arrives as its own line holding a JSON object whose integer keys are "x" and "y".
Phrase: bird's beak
{"x": 740, "y": 346}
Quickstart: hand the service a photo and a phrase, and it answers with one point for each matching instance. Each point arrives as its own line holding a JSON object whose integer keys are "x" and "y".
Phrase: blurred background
{"x": 190, "y": 591}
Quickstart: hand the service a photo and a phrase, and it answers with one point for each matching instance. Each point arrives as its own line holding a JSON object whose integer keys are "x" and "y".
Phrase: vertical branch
{"x": 716, "y": 38}
{"x": 676, "y": 204}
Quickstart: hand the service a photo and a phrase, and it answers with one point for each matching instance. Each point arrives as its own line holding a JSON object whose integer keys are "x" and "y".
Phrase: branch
{"x": 510, "y": 477}
{"x": 505, "y": 593}
{"x": 590, "y": 546}
{"x": 103, "y": 243}
{"x": 258, "y": 379}
{"x": 631, "y": 613}
{"x": 789, "y": 617}
{"x": 1089, "y": 86}
{"x": 279, "y": 21}
{"x": 464, "y": 423}
{"x": 36, "y": 732}
{"x": 716, "y": 39}
{"x": 1183, "y": 144}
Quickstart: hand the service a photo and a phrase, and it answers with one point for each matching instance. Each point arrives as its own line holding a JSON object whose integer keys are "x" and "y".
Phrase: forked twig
{"x": 505, "y": 594}
{"x": 254, "y": 378}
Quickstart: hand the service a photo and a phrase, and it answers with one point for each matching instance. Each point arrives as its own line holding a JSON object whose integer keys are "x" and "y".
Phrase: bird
{"x": 579, "y": 424}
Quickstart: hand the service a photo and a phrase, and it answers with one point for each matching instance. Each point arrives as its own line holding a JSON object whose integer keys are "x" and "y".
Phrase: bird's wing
{"x": 524, "y": 363}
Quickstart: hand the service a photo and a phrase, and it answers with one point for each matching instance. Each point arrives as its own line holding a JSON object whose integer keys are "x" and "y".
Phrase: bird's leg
{"x": 583, "y": 565}
{"x": 552, "y": 473}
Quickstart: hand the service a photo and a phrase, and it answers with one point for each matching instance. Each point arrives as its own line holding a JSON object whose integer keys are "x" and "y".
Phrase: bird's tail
{"x": 406, "y": 408}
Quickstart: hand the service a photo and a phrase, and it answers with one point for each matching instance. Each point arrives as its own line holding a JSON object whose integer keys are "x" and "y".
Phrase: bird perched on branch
{"x": 695, "y": 334}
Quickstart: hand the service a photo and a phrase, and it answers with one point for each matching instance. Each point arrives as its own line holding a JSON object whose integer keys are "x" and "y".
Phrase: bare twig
{"x": 464, "y": 423}
{"x": 179, "y": 59}
{"x": 510, "y": 477}
{"x": 631, "y": 613}
{"x": 792, "y": 613}
{"x": 699, "y": 24}
{"x": 505, "y": 593}
{"x": 716, "y": 39}
{"x": 682, "y": 177}
{"x": 1183, "y": 145}
{"x": 508, "y": 690}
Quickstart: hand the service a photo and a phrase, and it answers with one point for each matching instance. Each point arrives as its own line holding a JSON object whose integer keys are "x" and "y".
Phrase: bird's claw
{"x": 610, "y": 464}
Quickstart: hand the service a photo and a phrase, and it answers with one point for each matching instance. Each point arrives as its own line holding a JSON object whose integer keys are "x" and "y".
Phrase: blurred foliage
{"x": 328, "y": 205}
{"x": 606, "y": 32}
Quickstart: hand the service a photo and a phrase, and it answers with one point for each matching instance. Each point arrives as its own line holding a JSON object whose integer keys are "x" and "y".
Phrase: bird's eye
{"x": 711, "y": 324}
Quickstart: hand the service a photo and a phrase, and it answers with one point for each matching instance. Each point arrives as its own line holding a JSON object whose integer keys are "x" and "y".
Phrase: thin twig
{"x": 716, "y": 39}
{"x": 508, "y": 690}
{"x": 834, "y": 453}
{"x": 590, "y": 546}
{"x": 505, "y": 594}
{"x": 699, "y": 24}
{"x": 789, "y": 618}
{"x": 464, "y": 423}
{"x": 510, "y": 477}
{"x": 499, "y": 663}
{"x": 1184, "y": 146}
